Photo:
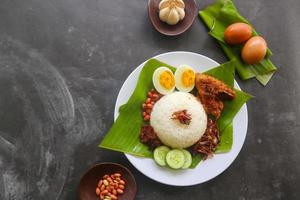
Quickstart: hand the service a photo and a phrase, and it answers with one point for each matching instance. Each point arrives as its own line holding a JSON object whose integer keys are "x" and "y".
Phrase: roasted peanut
{"x": 149, "y": 105}
{"x": 104, "y": 192}
{"x": 148, "y": 111}
{"x": 105, "y": 182}
{"x": 100, "y": 183}
{"x": 152, "y": 97}
{"x": 111, "y": 188}
{"x": 120, "y": 191}
{"x": 102, "y": 187}
{"x": 113, "y": 197}
{"x": 97, "y": 191}
{"x": 147, "y": 117}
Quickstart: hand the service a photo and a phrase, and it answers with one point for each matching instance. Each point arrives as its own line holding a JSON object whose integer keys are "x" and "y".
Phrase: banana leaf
{"x": 124, "y": 134}
{"x": 217, "y": 17}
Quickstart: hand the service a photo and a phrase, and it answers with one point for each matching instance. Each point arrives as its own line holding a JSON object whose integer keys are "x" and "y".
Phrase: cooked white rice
{"x": 171, "y": 132}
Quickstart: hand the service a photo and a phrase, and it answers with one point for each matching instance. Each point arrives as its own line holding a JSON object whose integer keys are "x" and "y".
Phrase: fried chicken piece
{"x": 209, "y": 141}
{"x": 212, "y": 92}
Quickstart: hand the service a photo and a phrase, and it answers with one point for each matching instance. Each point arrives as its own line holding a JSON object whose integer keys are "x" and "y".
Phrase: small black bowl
{"x": 172, "y": 30}
{"x": 89, "y": 181}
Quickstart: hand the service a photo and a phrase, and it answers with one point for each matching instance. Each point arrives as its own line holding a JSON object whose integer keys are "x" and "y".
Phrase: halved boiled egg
{"x": 163, "y": 80}
{"x": 185, "y": 78}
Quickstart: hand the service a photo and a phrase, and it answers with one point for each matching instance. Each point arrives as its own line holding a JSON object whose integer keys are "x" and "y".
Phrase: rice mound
{"x": 170, "y": 131}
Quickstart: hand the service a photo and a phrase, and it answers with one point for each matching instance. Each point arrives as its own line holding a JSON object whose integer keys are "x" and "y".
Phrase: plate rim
{"x": 236, "y": 85}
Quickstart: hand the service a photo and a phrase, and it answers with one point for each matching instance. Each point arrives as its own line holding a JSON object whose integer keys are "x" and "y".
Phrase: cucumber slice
{"x": 187, "y": 159}
{"x": 160, "y": 154}
{"x": 175, "y": 159}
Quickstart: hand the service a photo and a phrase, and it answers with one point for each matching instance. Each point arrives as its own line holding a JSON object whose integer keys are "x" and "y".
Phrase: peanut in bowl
{"x": 90, "y": 187}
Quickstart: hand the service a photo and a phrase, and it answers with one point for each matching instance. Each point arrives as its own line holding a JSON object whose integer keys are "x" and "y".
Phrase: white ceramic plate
{"x": 206, "y": 170}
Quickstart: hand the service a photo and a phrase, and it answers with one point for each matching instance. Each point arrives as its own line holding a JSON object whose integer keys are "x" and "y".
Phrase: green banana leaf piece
{"x": 217, "y": 17}
{"x": 124, "y": 134}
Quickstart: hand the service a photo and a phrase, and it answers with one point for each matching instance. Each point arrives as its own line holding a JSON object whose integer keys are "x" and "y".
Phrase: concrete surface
{"x": 62, "y": 64}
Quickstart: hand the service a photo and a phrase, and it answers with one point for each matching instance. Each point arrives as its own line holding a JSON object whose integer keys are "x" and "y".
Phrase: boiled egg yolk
{"x": 163, "y": 80}
{"x": 185, "y": 78}
{"x": 167, "y": 80}
{"x": 188, "y": 78}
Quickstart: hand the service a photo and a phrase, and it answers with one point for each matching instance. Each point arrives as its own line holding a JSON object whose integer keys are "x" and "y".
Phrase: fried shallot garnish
{"x": 183, "y": 116}
{"x": 209, "y": 141}
{"x": 212, "y": 93}
{"x": 149, "y": 137}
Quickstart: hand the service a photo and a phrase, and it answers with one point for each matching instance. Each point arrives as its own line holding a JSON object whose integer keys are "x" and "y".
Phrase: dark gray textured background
{"x": 62, "y": 63}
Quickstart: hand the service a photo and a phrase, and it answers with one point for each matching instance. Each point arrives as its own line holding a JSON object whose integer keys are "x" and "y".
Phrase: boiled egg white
{"x": 185, "y": 78}
{"x": 163, "y": 80}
